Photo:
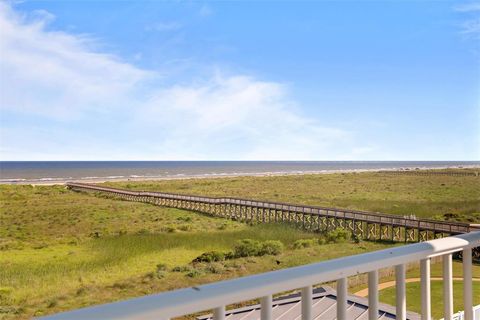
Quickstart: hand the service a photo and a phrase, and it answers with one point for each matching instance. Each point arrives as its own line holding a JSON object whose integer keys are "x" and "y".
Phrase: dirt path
{"x": 388, "y": 284}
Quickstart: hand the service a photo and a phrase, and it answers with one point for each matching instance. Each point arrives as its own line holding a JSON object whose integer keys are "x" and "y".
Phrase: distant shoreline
{"x": 62, "y": 181}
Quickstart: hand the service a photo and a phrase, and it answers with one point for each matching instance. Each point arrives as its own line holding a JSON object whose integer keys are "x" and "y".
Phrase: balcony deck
{"x": 324, "y": 306}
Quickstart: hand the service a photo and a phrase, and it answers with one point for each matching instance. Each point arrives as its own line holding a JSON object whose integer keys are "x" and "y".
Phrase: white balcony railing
{"x": 220, "y": 294}
{"x": 461, "y": 314}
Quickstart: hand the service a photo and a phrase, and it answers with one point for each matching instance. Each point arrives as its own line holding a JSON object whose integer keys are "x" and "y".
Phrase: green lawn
{"x": 414, "y": 297}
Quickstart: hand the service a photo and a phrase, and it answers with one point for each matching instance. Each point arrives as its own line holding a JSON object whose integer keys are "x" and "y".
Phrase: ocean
{"x": 52, "y": 171}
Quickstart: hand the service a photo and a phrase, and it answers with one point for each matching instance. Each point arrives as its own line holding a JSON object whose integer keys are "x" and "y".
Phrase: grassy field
{"x": 423, "y": 196}
{"x": 413, "y": 289}
{"x": 61, "y": 250}
{"x": 413, "y": 297}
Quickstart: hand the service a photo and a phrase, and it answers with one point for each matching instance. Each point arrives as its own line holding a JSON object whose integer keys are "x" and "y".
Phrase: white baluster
{"x": 425, "y": 288}
{"x": 373, "y": 295}
{"x": 342, "y": 299}
{"x": 219, "y": 313}
{"x": 266, "y": 308}
{"x": 307, "y": 303}
{"x": 401, "y": 305}
{"x": 447, "y": 287}
{"x": 467, "y": 284}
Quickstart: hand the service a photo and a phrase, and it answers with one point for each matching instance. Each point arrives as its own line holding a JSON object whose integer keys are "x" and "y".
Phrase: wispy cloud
{"x": 70, "y": 101}
{"x": 164, "y": 26}
{"x": 471, "y": 25}
{"x": 205, "y": 10}
{"x": 56, "y": 74}
{"x": 468, "y": 7}
{"x": 236, "y": 117}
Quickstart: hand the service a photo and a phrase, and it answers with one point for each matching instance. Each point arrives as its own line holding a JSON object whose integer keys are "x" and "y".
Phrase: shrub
{"x": 271, "y": 247}
{"x": 247, "y": 248}
{"x": 194, "y": 273}
{"x": 161, "y": 274}
{"x": 143, "y": 231}
{"x": 161, "y": 267}
{"x": 252, "y": 248}
{"x": 52, "y": 303}
{"x": 5, "y": 291}
{"x": 356, "y": 238}
{"x": 322, "y": 241}
{"x": 181, "y": 269}
{"x": 210, "y": 256}
{"x": 81, "y": 291}
{"x": 303, "y": 243}
{"x": 229, "y": 255}
{"x": 223, "y": 226}
{"x": 10, "y": 310}
{"x": 161, "y": 270}
{"x": 338, "y": 235}
{"x": 215, "y": 267}
{"x": 171, "y": 229}
{"x": 96, "y": 234}
{"x": 121, "y": 285}
{"x": 185, "y": 227}
{"x": 40, "y": 246}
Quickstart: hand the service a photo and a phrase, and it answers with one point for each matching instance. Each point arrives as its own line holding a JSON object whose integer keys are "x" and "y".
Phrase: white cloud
{"x": 87, "y": 105}
{"x": 43, "y": 16}
{"x": 164, "y": 26}
{"x": 468, "y": 7}
{"x": 227, "y": 110}
{"x": 57, "y": 74}
{"x": 471, "y": 26}
{"x": 205, "y": 11}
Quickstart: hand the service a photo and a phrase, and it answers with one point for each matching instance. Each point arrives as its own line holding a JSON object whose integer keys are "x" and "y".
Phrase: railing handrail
{"x": 367, "y": 213}
{"x": 195, "y": 299}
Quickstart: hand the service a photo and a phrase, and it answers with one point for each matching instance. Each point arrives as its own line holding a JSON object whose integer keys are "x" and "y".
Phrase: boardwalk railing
{"x": 366, "y": 225}
{"x": 217, "y": 296}
{"x": 431, "y": 173}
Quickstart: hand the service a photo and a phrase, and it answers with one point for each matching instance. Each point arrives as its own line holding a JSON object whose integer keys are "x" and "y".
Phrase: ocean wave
{"x": 13, "y": 180}
{"x": 17, "y": 176}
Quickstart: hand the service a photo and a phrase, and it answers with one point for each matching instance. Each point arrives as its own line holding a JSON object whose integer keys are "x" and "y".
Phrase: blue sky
{"x": 316, "y": 80}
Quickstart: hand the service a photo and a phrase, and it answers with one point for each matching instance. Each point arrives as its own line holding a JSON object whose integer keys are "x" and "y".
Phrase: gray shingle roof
{"x": 324, "y": 308}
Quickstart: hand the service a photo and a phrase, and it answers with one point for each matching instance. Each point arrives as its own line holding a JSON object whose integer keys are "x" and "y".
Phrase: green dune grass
{"x": 423, "y": 196}
{"x": 61, "y": 250}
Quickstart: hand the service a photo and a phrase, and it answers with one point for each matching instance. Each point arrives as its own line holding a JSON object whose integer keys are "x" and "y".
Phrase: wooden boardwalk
{"x": 363, "y": 224}
{"x": 431, "y": 173}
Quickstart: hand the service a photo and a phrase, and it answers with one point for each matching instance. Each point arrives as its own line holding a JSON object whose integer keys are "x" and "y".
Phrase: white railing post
{"x": 219, "y": 313}
{"x": 401, "y": 305}
{"x": 342, "y": 299}
{"x": 467, "y": 283}
{"x": 266, "y": 308}
{"x": 307, "y": 303}
{"x": 447, "y": 287}
{"x": 425, "y": 288}
{"x": 373, "y": 295}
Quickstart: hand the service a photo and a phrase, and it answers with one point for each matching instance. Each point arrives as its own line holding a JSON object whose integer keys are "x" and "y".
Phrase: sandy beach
{"x": 61, "y": 181}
